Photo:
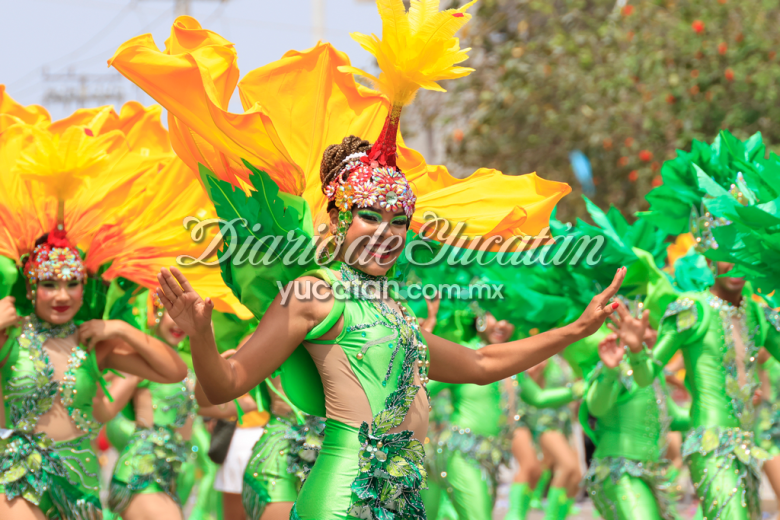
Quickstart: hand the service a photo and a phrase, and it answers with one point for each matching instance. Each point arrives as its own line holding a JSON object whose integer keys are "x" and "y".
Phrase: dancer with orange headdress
{"x": 355, "y": 353}
{"x": 73, "y": 245}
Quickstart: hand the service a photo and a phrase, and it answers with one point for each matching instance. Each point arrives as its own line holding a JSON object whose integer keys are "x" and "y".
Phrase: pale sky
{"x": 80, "y": 35}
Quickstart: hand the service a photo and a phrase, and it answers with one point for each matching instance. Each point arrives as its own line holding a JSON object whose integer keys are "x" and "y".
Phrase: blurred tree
{"x": 626, "y": 83}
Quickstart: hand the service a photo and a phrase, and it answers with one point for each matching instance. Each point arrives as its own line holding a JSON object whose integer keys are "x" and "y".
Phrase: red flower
{"x": 645, "y": 155}
{"x": 633, "y": 175}
{"x": 623, "y": 161}
{"x": 729, "y": 74}
{"x": 722, "y": 48}
{"x": 628, "y": 142}
{"x": 694, "y": 90}
{"x": 657, "y": 181}
{"x": 772, "y": 55}
{"x": 627, "y": 10}
{"x": 670, "y": 99}
{"x": 740, "y": 37}
{"x": 695, "y": 73}
{"x": 457, "y": 134}
{"x": 655, "y": 166}
{"x": 607, "y": 143}
{"x": 697, "y": 26}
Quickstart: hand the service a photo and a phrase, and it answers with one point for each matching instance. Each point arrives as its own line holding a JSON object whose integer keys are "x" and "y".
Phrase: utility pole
{"x": 317, "y": 21}
{"x": 82, "y": 90}
{"x": 184, "y": 7}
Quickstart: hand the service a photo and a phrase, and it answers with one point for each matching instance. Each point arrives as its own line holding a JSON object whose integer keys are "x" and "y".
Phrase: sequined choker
{"x": 363, "y": 285}
{"x": 40, "y": 326}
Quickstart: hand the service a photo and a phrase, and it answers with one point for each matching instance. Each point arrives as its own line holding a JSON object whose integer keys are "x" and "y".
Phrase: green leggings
{"x": 630, "y": 498}
{"x": 727, "y": 488}
{"x": 471, "y": 493}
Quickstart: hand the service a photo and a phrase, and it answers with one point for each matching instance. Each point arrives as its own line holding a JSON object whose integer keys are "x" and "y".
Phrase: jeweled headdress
{"x": 680, "y": 204}
{"x": 55, "y": 259}
{"x": 417, "y": 49}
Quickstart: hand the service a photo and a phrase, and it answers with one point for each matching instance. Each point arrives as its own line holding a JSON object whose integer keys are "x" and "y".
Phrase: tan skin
{"x": 117, "y": 345}
{"x": 284, "y": 327}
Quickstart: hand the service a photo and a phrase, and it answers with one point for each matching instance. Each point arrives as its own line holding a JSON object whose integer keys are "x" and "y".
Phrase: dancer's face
{"x": 496, "y": 331}
{"x": 168, "y": 331}
{"x": 728, "y": 284}
{"x": 375, "y": 239}
{"x": 57, "y": 301}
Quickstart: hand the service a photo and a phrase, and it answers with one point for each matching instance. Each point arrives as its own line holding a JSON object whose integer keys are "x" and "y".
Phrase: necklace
{"x": 363, "y": 286}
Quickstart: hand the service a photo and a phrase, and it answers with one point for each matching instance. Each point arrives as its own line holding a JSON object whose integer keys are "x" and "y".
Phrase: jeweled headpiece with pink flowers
{"x": 55, "y": 259}
{"x": 368, "y": 179}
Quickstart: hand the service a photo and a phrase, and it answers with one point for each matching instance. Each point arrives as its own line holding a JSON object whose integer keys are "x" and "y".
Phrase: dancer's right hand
{"x": 191, "y": 313}
{"x": 610, "y": 351}
{"x": 630, "y": 330}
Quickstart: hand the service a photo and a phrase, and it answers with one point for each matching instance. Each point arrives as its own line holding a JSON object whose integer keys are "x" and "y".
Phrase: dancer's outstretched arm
{"x": 453, "y": 363}
{"x": 284, "y": 326}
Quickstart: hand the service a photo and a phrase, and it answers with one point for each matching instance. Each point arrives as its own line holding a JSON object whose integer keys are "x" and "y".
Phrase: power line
{"x": 96, "y": 37}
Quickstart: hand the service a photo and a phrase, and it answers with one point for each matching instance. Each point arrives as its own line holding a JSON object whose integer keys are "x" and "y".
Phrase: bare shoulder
{"x": 309, "y": 296}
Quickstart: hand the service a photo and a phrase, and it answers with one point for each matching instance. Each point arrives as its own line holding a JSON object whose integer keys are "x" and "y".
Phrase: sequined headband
{"x": 362, "y": 183}
{"x": 55, "y": 259}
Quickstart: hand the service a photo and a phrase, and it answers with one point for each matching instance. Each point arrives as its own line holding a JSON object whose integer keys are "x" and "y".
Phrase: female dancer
{"x": 630, "y": 476}
{"x": 367, "y": 351}
{"x": 475, "y": 442}
{"x": 51, "y": 367}
{"x": 148, "y": 472}
{"x": 719, "y": 332}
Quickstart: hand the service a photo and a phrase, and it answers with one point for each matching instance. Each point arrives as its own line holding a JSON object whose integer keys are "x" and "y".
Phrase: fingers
{"x": 622, "y": 312}
{"x": 185, "y": 284}
{"x": 612, "y": 290}
{"x": 168, "y": 304}
{"x": 169, "y": 285}
{"x": 645, "y": 319}
{"x": 613, "y": 328}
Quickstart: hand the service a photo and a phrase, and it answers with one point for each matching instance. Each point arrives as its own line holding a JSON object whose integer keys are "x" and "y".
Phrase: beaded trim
{"x": 391, "y": 465}
{"x": 773, "y": 317}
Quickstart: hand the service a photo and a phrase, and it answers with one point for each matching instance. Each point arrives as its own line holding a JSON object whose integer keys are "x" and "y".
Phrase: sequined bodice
{"x": 713, "y": 371}
{"x": 172, "y": 404}
{"x": 29, "y": 388}
{"x": 637, "y": 425}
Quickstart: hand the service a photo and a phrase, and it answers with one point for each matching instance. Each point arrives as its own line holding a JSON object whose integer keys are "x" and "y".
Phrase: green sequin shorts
{"x": 625, "y": 489}
{"x": 61, "y": 478}
{"x": 769, "y": 428}
{"x": 725, "y": 468}
{"x": 266, "y": 478}
{"x": 150, "y": 463}
{"x": 540, "y": 420}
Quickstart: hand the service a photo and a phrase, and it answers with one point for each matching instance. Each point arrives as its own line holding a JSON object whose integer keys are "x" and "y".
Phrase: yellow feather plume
{"x": 417, "y": 49}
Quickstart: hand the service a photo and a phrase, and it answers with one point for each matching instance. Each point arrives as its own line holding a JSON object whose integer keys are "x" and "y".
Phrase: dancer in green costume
{"x": 50, "y": 380}
{"x": 475, "y": 442}
{"x": 629, "y": 477}
{"x": 719, "y": 330}
{"x": 349, "y": 347}
{"x": 159, "y": 458}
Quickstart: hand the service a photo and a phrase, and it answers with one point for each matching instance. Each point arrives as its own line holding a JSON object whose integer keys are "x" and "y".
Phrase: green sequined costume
{"x": 372, "y": 470}
{"x": 769, "y": 411}
{"x": 152, "y": 459}
{"x": 629, "y": 477}
{"x": 546, "y": 409}
{"x": 280, "y": 459}
{"x": 61, "y": 478}
{"x": 469, "y": 450}
{"x": 721, "y": 449}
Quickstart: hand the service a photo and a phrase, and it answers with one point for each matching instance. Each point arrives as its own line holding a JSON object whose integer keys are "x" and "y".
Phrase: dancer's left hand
{"x": 610, "y": 351}
{"x": 93, "y": 332}
{"x": 600, "y": 307}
